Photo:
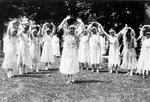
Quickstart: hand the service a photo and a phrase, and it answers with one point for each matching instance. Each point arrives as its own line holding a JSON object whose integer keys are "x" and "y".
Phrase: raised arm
{"x": 40, "y": 30}
{"x": 141, "y": 33}
{"x": 104, "y": 32}
{"x": 80, "y": 27}
{"x": 123, "y": 31}
{"x": 64, "y": 23}
{"x": 54, "y": 28}
{"x": 43, "y": 28}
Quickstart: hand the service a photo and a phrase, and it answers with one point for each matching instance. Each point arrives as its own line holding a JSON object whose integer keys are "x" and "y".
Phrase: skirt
{"x": 69, "y": 61}
{"x": 47, "y": 53}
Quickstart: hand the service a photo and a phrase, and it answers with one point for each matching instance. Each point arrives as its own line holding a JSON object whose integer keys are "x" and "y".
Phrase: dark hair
{"x": 128, "y": 34}
{"x": 147, "y": 29}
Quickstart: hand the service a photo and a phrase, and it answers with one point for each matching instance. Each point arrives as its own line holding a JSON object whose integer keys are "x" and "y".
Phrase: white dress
{"x": 47, "y": 52}
{"x": 23, "y": 50}
{"x": 35, "y": 50}
{"x": 83, "y": 51}
{"x": 144, "y": 58}
{"x": 56, "y": 45}
{"x": 69, "y": 61}
{"x": 10, "y": 57}
{"x": 5, "y": 38}
{"x": 95, "y": 51}
{"x": 114, "y": 54}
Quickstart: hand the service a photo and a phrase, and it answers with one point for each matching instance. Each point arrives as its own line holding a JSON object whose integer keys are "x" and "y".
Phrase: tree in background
{"x": 111, "y": 14}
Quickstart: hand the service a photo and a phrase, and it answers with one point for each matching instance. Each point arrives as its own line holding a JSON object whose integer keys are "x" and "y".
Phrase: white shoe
{"x": 97, "y": 71}
{"x": 100, "y": 67}
{"x": 31, "y": 67}
{"x": 46, "y": 68}
{"x": 110, "y": 71}
{"x": 127, "y": 74}
{"x": 37, "y": 70}
{"x": 20, "y": 72}
{"x": 8, "y": 75}
{"x": 72, "y": 80}
{"x": 68, "y": 82}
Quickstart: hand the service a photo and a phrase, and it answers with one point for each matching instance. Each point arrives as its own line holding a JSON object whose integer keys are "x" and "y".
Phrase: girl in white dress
{"x": 35, "y": 46}
{"x": 144, "y": 58}
{"x": 48, "y": 52}
{"x": 114, "y": 53}
{"x": 56, "y": 45}
{"x": 83, "y": 51}
{"x": 24, "y": 58}
{"x": 95, "y": 51}
{"x": 69, "y": 62}
{"x": 129, "y": 53}
{"x": 10, "y": 57}
{"x": 4, "y": 41}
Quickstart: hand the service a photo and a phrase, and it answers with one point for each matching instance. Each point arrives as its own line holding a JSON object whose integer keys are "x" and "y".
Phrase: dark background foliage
{"x": 111, "y": 14}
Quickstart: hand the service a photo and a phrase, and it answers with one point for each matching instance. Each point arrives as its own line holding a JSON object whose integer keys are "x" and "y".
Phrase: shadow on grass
{"x": 29, "y": 75}
{"x": 91, "y": 81}
{"x": 44, "y": 71}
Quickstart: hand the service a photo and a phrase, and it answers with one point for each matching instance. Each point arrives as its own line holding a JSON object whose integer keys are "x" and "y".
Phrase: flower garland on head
{"x": 12, "y": 24}
{"x": 142, "y": 33}
{"x": 95, "y": 25}
{"x": 44, "y": 28}
{"x": 24, "y": 24}
{"x": 48, "y": 26}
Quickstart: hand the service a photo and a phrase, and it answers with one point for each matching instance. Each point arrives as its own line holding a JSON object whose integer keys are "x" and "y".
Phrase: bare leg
{"x": 143, "y": 73}
{"x": 110, "y": 69}
{"x": 147, "y": 72}
{"x": 93, "y": 68}
{"x": 24, "y": 66}
{"x": 131, "y": 73}
{"x": 86, "y": 66}
{"x": 97, "y": 66}
{"x": 8, "y": 73}
{"x": 36, "y": 67}
{"x": 49, "y": 65}
{"x": 20, "y": 69}
{"x": 71, "y": 78}
{"x": 11, "y": 70}
{"x": 46, "y": 66}
{"x": 68, "y": 82}
{"x": 116, "y": 69}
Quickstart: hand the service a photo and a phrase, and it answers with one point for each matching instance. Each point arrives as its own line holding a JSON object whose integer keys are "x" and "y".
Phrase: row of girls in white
{"x": 84, "y": 45}
{"x": 22, "y": 46}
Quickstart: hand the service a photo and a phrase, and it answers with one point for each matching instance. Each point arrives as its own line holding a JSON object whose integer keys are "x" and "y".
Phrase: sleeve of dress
{"x": 63, "y": 23}
{"x": 80, "y": 27}
{"x": 104, "y": 32}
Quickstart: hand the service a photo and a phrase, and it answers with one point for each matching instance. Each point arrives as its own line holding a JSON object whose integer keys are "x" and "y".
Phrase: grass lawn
{"x": 50, "y": 86}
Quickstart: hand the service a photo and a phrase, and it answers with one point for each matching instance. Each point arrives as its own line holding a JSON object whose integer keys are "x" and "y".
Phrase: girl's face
{"x": 35, "y": 33}
{"x": 26, "y": 27}
{"x": 112, "y": 33}
{"x": 48, "y": 32}
{"x": 94, "y": 31}
{"x": 85, "y": 33}
{"x": 72, "y": 30}
{"x": 14, "y": 31}
{"x": 147, "y": 36}
{"x": 128, "y": 35}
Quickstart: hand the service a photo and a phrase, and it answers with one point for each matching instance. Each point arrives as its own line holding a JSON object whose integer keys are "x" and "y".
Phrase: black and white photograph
{"x": 74, "y": 51}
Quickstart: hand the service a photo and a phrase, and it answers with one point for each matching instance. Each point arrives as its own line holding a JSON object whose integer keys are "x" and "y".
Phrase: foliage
{"x": 109, "y": 13}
